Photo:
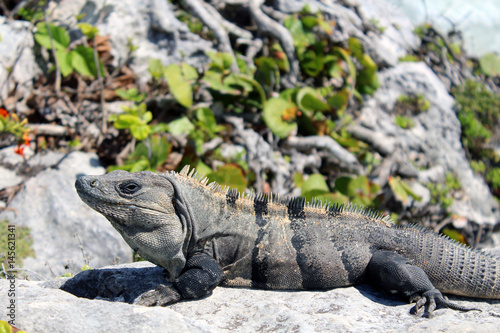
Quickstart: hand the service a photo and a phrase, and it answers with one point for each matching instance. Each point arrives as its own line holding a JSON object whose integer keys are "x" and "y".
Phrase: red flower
{"x": 4, "y": 113}
{"x": 19, "y": 150}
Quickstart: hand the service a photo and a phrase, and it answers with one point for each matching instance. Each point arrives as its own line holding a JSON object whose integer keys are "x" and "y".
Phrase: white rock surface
{"x": 436, "y": 134}
{"x": 354, "y": 309}
{"x": 16, "y": 52}
{"x": 49, "y": 205}
{"x": 396, "y": 35}
{"x": 9, "y": 178}
{"x": 149, "y": 25}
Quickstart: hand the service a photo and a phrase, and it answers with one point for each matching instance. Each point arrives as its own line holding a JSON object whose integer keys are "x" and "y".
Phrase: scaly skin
{"x": 204, "y": 236}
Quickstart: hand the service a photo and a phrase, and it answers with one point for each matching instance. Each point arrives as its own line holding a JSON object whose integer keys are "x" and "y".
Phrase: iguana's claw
{"x": 161, "y": 295}
{"x": 426, "y": 303}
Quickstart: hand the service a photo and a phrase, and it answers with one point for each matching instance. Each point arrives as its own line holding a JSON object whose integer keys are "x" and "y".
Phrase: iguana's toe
{"x": 427, "y": 302}
{"x": 161, "y": 295}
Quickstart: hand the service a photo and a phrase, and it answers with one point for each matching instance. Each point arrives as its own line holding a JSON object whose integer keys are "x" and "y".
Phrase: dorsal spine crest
{"x": 192, "y": 175}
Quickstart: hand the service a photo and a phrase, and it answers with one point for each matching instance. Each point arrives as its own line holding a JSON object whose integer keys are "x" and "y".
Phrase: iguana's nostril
{"x": 93, "y": 183}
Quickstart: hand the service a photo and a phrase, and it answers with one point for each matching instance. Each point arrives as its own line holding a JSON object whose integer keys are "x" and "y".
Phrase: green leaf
{"x": 409, "y": 58}
{"x": 216, "y": 59}
{"x": 156, "y": 68}
{"x": 82, "y": 60}
{"x": 220, "y": 60}
{"x": 310, "y": 100}
{"x": 490, "y": 64}
{"x": 398, "y": 189}
{"x": 326, "y": 25}
{"x": 315, "y": 182}
{"x": 280, "y": 57}
{"x": 233, "y": 81}
{"x": 339, "y": 101}
{"x": 189, "y": 72}
{"x": 202, "y": 168}
{"x": 359, "y": 185}
{"x": 179, "y": 86}
{"x": 367, "y": 81}
{"x": 64, "y": 60}
{"x": 125, "y": 121}
{"x": 161, "y": 149}
{"x": 180, "y": 126}
{"x": 250, "y": 81}
{"x": 367, "y": 62}
{"x": 309, "y": 195}
{"x": 141, "y": 165}
{"x": 44, "y": 40}
{"x": 455, "y": 235}
{"x": 404, "y": 122}
{"x": 88, "y": 30}
{"x": 230, "y": 175}
{"x": 131, "y": 94}
{"x": 207, "y": 118}
{"x": 274, "y": 111}
{"x": 147, "y": 116}
{"x": 309, "y": 22}
{"x": 353, "y": 187}
{"x": 356, "y": 47}
{"x": 301, "y": 38}
{"x": 267, "y": 70}
{"x": 312, "y": 62}
{"x": 140, "y": 131}
{"x": 160, "y": 127}
{"x": 289, "y": 94}
{"x": 214, "y": 80}
{"x": 227, "y": 60}
{"x": 298, "y": 179}
{"x": 4, "y": 326}
{"x": 410, "y": 191}
{"x": 59, "y": 35}
{"x": 332, "y": 197}
{"x": 350, "y": 65}
{"x": 342, "y": 185}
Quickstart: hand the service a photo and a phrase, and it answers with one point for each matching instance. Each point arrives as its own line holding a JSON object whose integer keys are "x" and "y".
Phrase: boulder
{"x": 49, "y": 205}
{"x": 434, "y": 141}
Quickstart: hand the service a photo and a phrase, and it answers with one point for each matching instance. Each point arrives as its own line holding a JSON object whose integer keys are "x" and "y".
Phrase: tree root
{"x": 200, "y": 10}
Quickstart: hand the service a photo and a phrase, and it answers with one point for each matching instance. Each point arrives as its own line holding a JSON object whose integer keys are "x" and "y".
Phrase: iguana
{"x": 204, "y": 235}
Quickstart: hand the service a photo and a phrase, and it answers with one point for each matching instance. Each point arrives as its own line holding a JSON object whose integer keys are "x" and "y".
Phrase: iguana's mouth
{"x": 133, "y": 207}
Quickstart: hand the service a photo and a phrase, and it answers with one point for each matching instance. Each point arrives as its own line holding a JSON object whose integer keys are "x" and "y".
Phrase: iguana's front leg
{"x": 199, "y": 277}
{"x": 393, "y": 273}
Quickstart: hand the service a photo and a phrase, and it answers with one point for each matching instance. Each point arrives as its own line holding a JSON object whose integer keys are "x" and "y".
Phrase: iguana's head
{"x": 140, "y": 206}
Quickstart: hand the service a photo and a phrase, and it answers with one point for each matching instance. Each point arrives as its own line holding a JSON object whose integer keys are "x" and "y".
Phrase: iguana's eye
{"x": 130, "y": 187}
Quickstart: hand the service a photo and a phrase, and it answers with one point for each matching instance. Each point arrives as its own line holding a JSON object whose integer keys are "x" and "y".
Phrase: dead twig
{"x": 48, "y": 129}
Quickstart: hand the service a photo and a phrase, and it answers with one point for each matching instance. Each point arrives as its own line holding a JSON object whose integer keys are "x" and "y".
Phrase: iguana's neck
{"x": 211, "y": 213}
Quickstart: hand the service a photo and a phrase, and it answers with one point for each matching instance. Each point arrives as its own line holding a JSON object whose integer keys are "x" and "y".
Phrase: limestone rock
{"x": 436, "y": 134}
{"x": 353, "y": 309}
{"x": 16, "y": 52}
{"x": 49, "y": 205}
{"x": 150, "y": 25}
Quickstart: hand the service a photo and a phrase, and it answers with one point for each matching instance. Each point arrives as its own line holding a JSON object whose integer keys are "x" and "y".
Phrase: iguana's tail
{"x": 452, "y": 267}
